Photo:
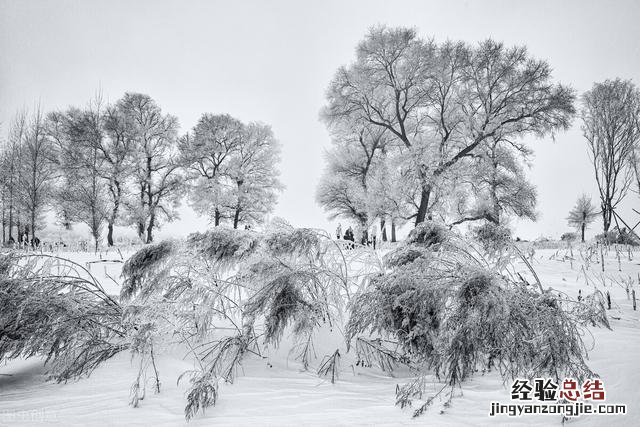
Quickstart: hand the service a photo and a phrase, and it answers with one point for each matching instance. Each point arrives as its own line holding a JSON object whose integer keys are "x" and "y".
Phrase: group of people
{"x": 24, "y": 242}
{"x": 366, "y": 238}
{"x": 48, "y": 246}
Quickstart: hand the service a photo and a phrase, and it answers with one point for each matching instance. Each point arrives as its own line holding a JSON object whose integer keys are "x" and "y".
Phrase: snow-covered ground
{"x": 275, "y": 391}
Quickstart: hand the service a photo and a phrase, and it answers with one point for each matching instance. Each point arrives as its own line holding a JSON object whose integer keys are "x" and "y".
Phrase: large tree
{"x": 232, "y": 169}
{"x": 206, "y": 153}
{"x": 442, "y": 102}
{"x": 116, "y": 151}
{"x": 81, "y": 195}
{"x": 253, "y": 174}
{"x": 610, "y": 112}
{"x": 157, "y": 179}
{"x": 344, "y": 188}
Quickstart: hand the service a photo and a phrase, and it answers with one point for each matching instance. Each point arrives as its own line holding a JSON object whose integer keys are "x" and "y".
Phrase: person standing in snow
{"x": 348, "y": 235}
{"x": 339, "y": 232}
{"x": 365, "y": 236}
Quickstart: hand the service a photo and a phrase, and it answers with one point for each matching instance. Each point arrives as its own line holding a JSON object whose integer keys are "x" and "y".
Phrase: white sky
{"x": 272, "y": 61}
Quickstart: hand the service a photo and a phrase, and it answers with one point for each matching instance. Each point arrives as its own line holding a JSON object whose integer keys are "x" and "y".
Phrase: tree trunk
{"x": 236, "y": 217}
{"x": 33, "y": 224}
{"x": 18, "y": 229}
{"x": 117, "y": 192}
{"x": 152, "y": 220}
{"x": 393, "y": 231}
{"x": 4, "y": 225}
{"x": 141, "y": 230}
{"x": 216, "y": 217}
{"x": 11, "y": 220}
{"x": 383, "y": 229}
{"x": 583, "y": 227}
{"x": 110, "y": 234}
{"x": 606, "y": 218}
{"x": 424, "y": 204}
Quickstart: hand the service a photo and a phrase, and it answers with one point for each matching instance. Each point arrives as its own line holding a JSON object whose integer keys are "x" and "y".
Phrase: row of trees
{"x": 126, "y": 164}
{"x": 422, "y": 129}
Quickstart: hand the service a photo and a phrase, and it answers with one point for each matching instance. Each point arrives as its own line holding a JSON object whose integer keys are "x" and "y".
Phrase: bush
{"x": 493, "y": 237}
{"x": 67, "y": 319}
{"x": 428, "y": 233}
{"x": 456, "y": 314}
{"x": 224, "y": 295}
{"x": 623, "y": 237}
{"x": 569, "y": 237}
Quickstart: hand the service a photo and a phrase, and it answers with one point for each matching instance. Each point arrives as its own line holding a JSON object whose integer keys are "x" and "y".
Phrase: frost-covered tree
{"x": 582, "y": 214}
{"x": 344, "y": 188}
{"x": 442, "y": 102}
{"x": 206, "y": 153}
{"x": 610, "y": 112}
{"x": 253, "y": 175}
{"x": 157, "y": 180}
{"x": 232, "y": 168}
{"x": 635, "y": 163}
{"x": 497, "y": 184}
{"x": 81, "y": 194}
{"x": 393, "y": 192}
{"x": 116, "y": 150}
{"x": 36, "y": 171}
{"x": 9, "y": 170}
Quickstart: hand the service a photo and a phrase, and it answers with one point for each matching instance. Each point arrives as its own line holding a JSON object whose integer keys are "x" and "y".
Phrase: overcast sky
{"x": 271, "y": 61}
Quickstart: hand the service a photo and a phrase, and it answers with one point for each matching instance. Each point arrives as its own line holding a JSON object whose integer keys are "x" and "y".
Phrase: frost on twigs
{"x": 226, "y": 294}
{"x": 494, "y": 238}
{"x": 441, "y": 306}
{"x": 224, "y": 247}
{"x": 53, "y": 308}
{"x": 457, "y": 310}
{"x": 144, "y": 264}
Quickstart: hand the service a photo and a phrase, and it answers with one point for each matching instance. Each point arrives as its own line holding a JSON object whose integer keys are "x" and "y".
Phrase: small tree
{"x": 582, "y": 214}
{"x": 610, "y": 125}
{"x": 36, "y": 171}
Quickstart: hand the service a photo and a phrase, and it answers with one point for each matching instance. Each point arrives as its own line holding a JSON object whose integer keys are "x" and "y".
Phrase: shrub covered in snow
{"x": 493, "y": 237}
{"x": 439, "y": 304}
{"x": 455, "y": 312}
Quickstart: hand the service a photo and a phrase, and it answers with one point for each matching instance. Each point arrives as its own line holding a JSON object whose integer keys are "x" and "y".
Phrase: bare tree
{"x": 610, "y": 112}
{"x": 582, "y": 214}
{"x": 635, "y": 161}
{"x": 443, "y": 102}
{"x": 10, "y": 167}
{"x": 36, "y": 171}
